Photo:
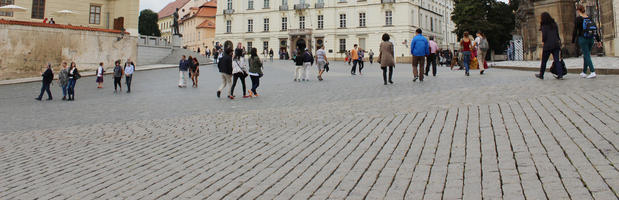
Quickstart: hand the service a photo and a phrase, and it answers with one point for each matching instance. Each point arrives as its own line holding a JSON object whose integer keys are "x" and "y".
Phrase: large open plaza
{"x": 501, "y": 135}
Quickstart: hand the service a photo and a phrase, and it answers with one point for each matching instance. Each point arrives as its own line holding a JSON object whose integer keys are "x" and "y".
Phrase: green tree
{"x": 495, "y": 19}
{"x": 148, "y": 23}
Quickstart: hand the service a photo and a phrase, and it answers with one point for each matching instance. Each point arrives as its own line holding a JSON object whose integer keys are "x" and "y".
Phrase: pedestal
{"x": 177, "y": 41}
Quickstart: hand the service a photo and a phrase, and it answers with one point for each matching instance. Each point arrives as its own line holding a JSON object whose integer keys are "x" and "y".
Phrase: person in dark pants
{"x": 118, "y": 75}
{"x": 432, "y": 57}
{"x": 255, "y": 71}
{"x": 74, "y": 74}
{"x": 552, "y": 44}
{"x": 354, "y": 56}
{"x": 419, "y": 49}
{"x": 48, "y": 76}
{"x": 239, "y": 71}
{"x": 386, "y": 58}
{"x": 585, "y": 32}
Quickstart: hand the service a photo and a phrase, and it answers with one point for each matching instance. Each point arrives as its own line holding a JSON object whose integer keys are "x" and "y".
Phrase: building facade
{"x": 103, "y": 14}
{"x": 198, "y": 27}
{"x": 337, "y": 24}
{"x": 166, "y": 18}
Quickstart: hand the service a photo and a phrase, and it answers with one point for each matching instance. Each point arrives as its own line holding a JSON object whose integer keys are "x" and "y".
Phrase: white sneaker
{"x": 583, "y": 75}
{"x": 592, "y": 75}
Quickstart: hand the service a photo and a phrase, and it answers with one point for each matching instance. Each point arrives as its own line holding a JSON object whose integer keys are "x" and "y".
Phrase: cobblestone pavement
{"x": 504, "y": 135}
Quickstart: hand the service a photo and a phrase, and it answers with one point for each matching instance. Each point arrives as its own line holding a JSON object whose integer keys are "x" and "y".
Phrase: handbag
{"x": 327, "y": 67}
{"x": 560, "y": 63}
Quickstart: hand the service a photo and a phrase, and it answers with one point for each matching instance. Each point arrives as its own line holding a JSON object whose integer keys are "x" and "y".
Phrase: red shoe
{"x": 246, "y": 96}
{"x": 230, "y": 97}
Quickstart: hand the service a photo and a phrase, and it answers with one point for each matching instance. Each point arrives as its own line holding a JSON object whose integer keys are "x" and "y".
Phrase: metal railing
{"x": 144, "y": 40}
{"x": 283, "y": 8}
{"x": 320, "y": 5}
{"x": 387, "y": 1}
{"x": 228, "y": 11}
{"x": 301, "y": 6}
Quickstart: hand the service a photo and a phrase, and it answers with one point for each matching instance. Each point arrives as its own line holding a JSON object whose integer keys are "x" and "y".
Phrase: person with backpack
{"x": 308, "y": 61}
{"x": 482, "y": 48}
{"x": 48, "y": 77}
{"x": 585, "y": 31}
{"x": 118, "y": 75}
{"x": 225, "y": 68}
{"x": 100, "y": 72}
{"x": 551, "y": 44}
{"x": 255, "y": 71}
{"x": 129, "y": 69}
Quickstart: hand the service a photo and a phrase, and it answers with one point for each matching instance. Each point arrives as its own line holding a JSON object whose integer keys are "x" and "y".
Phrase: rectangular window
{"x": 250, "y": 25}
{"x": 284, "y": 23}
{"x": 229, "y": 4}
{"x": 228, "y": 26}
{"x": 250, "y": 4}
{"x": 361, "y": 19}
{"x": 266, "y": 24}
{"x": 431, "y": 24}
{"x": 321, "y": 21}
{"x": 284, "y": 2}
{"x": 265, "y": 45}
{"x": 267, "y": 4}
{"x": 342, "y": 20}
{"x": 388, "y": 18}
{"x": 95, "y": 14}
{"x": 342, "y": 45}
{"x": 38, "y": 9}
{"x": 302, "y": 22}
{"x": 6, "y": 3}
{"x": 250, "y": 45}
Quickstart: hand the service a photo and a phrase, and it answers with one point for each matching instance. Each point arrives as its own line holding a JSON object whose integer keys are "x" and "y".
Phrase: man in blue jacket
{"x": 419, "y": 49}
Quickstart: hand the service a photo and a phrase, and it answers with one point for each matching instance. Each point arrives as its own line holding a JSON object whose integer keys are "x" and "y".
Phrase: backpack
{"x": 483, "y": 44}
{"x": 589, "y": 28}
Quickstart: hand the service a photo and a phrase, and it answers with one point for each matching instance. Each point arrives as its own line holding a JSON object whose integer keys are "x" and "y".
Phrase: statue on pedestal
{"x": 175, "y": 30}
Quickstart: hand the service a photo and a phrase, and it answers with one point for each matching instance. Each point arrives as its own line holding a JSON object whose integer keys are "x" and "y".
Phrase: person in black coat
{"x": 551, "y": 44}
{"x": 225, "y": 68}
{"x": 48, "y": 76}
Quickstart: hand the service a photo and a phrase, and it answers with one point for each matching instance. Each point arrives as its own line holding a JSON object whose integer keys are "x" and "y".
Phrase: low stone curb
{"x": 84, "y": 74}
{"x": 569, "y": 70}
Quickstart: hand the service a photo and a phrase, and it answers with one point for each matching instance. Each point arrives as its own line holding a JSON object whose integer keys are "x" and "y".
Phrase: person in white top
{"x": 129, "y": 69}
{"x": 100, "y": 72}
{"x": 239, "y": 71}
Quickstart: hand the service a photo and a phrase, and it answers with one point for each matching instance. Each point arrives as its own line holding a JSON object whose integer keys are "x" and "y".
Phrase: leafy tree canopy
{"x": 148, "y": 23}
{"x": 495, "y": 19}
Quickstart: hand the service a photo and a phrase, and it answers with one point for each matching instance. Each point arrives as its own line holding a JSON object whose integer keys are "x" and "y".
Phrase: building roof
{"x": 208, "y": 23}
{"x": 206, "y": 12}
{"x": 212, "y": 4}
{"x": 171, "y": 8}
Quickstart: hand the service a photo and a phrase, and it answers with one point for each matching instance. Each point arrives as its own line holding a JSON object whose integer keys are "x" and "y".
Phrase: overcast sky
{"x": 157, "y": 5}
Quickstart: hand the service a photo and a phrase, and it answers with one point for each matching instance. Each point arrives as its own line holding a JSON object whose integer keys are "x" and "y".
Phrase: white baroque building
{"x": 337, "y": 24}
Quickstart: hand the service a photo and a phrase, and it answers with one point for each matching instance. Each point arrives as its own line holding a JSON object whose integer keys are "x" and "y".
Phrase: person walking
{"x": 361, "y": 53}
{"x": 321, "y": 61}
{"x": 466, "y": 47}
{"x": 354, "y": 56}
{"x": 298, "y": 62}
{"x": 308, "y": 61}
{"x": 386, "y": 58}
{"x": 48, "y": 77}
{"x": 585, "y": 31}
{"x": 225, "y": 68}
{"x": 432, "y": 57}
{"x": 195, "y": 71}
{"x": 239, "y": 71}
{"x": 118, "y": 75}
{"x": 189, "y": 66}
{"x": 63, "y": 79}
{"x": 482, "y": 48}
{"x": 271, "y": 54}
{"x": 371, "y": 56}
{"x": 100, "y": 71}
{"x": 419, "y": 50}
{"x": 255, "y": 71}
{"x": 129, "y": 69}
{"x": 182, "y": 68}
{"x": 74, "y": 75}
{"x": 551, "y": 44}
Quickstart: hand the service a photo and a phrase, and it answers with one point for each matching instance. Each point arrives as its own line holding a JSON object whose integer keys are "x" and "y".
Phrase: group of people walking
{"x": 188, "y": 66}
{"x": 69, "y": 74}
{"x": 585, "y": 33}
{"x": 234, "y": 67}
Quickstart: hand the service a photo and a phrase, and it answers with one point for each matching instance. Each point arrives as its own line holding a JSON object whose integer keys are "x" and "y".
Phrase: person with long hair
{"x": 466, "y": 47}
{"x": 585, "y": 31}
{"x": 255, "y": 71}
{"x": 386, "y": 58}
{"x": 63, "y": 79}
{"x": 74, "y": 74}
{"x": 195, "y": 71}
{"x": 482, "y": 48}
{"x": 551, "y": 44}
{"x": 239, "y": 71}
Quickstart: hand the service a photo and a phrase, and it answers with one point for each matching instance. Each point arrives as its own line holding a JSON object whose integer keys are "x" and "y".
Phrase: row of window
{"x": 266, "y": 22}
{"x": 38, "y": 11}
{"x": 265, "y": 45}
{"x": 267, "y": 3}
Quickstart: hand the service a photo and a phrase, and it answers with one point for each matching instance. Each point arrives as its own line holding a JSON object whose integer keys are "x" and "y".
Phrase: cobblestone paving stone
{"x": 505, "y": 135}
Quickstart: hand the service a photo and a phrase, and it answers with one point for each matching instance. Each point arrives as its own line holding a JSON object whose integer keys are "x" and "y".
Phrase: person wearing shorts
{"x": 321, "y": 61}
